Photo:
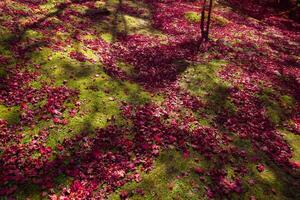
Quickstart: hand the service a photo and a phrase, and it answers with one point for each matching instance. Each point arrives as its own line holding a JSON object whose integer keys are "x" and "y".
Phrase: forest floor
{"x": 122, "y": 100}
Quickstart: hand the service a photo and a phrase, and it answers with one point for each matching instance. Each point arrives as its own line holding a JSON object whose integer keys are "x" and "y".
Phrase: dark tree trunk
{"x": 203, "y": 19}
{"x": 208, "y": 18}
{"x": 205, "y": 22}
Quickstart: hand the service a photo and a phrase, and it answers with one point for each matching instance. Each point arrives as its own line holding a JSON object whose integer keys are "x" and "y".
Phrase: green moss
{"x": 200, "y": 80}
{"x": 134, "y": 25}
{"x": 79, "y": 8}
{"x": 274, "y": 114}
{"x": 100, "y": 95}
{"x": 195, "y": 17}
{"x": 243, "y": 144}
{"x": 90, "y": 54}
{"x": 42, "y": 56}
{"x": 192, "y": 17}
{"x": 273, "y": 182}
{"x": 219, "y": 102}
{"x": 11, "y": 114}
{"x": 205, "y": 122}
{"x": 287, "y": 101}
{"x": 2, "y": 73}
{"x": 30, "y": 132}
{"x": 113, "y": 1}
{"x": 163, "y": 182}
{"x": 35, "y": 85}
{"x": 278, "y": 106}
{"x": 63, "y": 35}
{"x": 220, "y": 20}
{"x": 267, "y": 184}
{"x": 4, "y": 34}
{"x": 28, "y": 191}
{"x": 61, "y": 181}
{"x": 99, "y": 4}
{"x": 5, "y": 37}
{"x": 17, "y": 6}
{"x": 107, "y": 37}
{"x": 294, "y": 142}
{"x": 130, "y": 24}
{"x": 134, "y": 22}
{"x": 203, "y": 81}
{"x": 129, "y": 69}
{"x": 50, "y": 6}
{"x": 33, "y": 34}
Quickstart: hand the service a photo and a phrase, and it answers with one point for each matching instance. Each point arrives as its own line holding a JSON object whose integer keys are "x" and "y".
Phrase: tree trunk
{"x": 208, "y": 18}
{"x": 205, "y": 22}
{"x": 203, "y": 19}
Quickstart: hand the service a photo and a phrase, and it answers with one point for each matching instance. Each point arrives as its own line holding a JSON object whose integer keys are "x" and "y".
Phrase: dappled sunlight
{"x": 119, "y": 99}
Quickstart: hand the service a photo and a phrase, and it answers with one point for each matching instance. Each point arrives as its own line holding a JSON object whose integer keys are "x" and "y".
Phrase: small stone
{"x": 252, "y": 198}
{"x": 277, "y": 73}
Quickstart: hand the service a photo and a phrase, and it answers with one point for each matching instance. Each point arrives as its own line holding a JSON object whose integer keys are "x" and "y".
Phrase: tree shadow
{"x": 90, "y": 156}
{"x": 17, "y": 37}
{"x": 266, "y": 12}
{"x": 274, "y": 182}
{"x": 105, "y": 157}
{"x": 262, "y": 8}
{"x": 157, "y": 66}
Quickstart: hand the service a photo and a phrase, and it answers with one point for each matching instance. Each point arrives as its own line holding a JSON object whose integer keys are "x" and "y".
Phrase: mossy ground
{"x": 11, "y": 114}
{"x": 101, "y": 97}
{"x": 278, "y": 106}
{"x": 203, "y": 81}
{"x": 195, "y": 17}
{"x": 169, "y": 179}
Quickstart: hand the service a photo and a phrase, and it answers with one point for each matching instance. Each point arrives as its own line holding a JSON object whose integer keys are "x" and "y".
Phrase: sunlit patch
{"x": 168, "y": 178}
{"x": 122, "y": 99}
{"x": 192, "y": 16}
{"x": 278, "y": 107}
{"x": 294, "y": 141}
{"x": 107, "y": 37}
{"x": 11, "y": 114}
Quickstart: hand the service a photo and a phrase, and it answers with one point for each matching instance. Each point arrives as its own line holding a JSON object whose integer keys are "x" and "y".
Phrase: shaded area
{"x": 143, "y": 92}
